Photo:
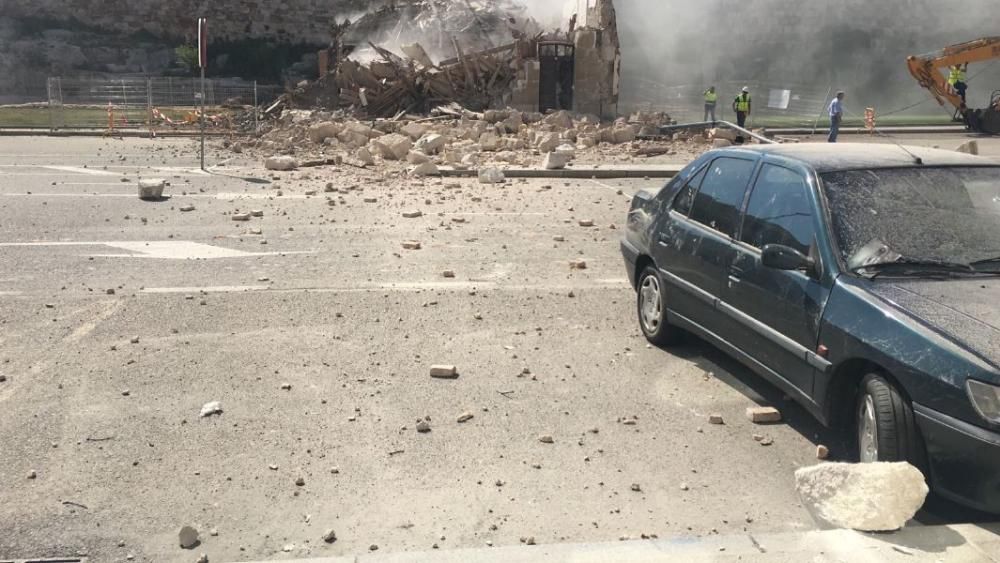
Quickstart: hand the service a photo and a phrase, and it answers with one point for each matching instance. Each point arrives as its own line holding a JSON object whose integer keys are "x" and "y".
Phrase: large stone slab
{"x": 869, "y": 497}
{"x": 393, "y": 147}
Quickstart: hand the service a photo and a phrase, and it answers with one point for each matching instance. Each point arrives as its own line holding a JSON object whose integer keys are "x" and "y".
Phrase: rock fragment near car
{"x": 763, "y": 415}
{"x": 868, "y": 497}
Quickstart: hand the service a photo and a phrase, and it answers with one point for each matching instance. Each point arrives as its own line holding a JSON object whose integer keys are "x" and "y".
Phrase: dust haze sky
{"x": 858, "y": 45}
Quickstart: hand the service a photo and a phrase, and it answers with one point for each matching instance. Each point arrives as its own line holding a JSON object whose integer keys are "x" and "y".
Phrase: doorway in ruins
{"x": 555, "y": 89}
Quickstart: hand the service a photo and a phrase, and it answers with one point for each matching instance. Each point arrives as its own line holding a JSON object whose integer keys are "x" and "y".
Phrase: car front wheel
{"x": 886, "y": 427}
{"x": 652, "y": 309}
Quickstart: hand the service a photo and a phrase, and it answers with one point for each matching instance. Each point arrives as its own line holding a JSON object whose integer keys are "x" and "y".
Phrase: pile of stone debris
{"x": 462, "y": 140}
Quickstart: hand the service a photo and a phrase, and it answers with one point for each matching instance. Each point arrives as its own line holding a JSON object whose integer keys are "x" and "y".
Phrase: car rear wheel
{"x": 652, "y": 308}
{"x": 886, "y": 428}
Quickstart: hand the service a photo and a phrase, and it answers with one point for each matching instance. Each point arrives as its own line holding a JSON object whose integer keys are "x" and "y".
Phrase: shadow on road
{"x": 249, "y": 179}
{"x": 936, "y": 511}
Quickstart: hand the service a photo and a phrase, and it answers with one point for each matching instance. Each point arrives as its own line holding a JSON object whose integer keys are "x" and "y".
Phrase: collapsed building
{"x": 414, "y": 56}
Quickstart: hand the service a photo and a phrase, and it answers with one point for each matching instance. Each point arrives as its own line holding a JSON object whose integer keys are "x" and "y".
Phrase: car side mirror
{"x": 781, "y": 257}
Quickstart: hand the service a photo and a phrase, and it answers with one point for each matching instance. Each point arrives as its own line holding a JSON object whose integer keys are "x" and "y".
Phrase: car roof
{"x": 830, "y": 157}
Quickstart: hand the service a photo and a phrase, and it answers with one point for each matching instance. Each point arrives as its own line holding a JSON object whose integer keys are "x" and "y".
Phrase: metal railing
{"x": 144, "y": 104}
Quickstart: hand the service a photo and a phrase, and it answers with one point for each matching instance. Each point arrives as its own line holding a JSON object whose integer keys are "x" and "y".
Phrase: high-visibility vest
{"x": 957, "y": 75}
{"x": 711, "y": 97}
{"x": 743, "y": 103}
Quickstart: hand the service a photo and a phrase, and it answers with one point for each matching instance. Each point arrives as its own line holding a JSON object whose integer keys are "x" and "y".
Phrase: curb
{"x": 597, "y": 174}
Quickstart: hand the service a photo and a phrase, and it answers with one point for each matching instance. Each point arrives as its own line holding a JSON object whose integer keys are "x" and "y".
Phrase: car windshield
{"x": 915, "y": 214}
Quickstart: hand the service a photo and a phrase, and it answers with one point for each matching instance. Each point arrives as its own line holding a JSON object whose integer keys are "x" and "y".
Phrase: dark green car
{"x": 863, "y": 280}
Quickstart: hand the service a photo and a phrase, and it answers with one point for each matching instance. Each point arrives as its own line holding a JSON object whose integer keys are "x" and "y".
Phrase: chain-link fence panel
{"x": 157, "y": 104}
{"x": 774, "y": 104}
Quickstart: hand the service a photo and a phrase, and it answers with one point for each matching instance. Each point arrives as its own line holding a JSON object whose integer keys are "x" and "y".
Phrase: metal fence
{"x": 150, "y": 104}
{"x": 774, "y": 104}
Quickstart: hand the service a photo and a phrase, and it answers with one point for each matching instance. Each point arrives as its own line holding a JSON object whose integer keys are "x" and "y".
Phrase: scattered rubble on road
{"x": 868, "y": 497}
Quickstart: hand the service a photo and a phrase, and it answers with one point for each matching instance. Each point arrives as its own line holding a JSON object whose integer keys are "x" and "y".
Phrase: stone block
{"x": 868, "y": 497}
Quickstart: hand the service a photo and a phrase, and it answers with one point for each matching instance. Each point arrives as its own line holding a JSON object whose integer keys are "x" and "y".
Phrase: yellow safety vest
{"x": 957, "y": 75}
{"x": 711, "y": 97}
{"x": 743, "y": 102}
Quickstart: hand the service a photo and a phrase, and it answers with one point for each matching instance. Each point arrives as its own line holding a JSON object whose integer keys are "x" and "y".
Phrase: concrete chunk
{"x": 320, "y": 132}
{"x": 444, "y": 371}
{"x": 430, "y": 143}
{"x": 208, "y": 409}
{"x": 187, "y": 537}
{"x": 364, "y": 156}
{"x": 425, "y": 169}
{"x": 869, "y": 497}
{"x": 151, "y": 188}
{"x": 969, "y": 147}
{"x": 414, "y": 130}
{"x": 556, "y": 160}
{"x": 763, "y": 415}
{"x": 491, "y": 176}
{"x": 392, "y": 147}
{"x": 415, "y": 157}
{"x": 283, "y": 163}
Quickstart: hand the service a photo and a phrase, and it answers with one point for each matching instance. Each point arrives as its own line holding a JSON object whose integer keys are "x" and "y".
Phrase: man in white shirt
{"x": 836, "y": 116}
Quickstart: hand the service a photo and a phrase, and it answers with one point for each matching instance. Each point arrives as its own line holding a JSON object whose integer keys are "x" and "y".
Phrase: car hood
{"x": 966, "y": 310}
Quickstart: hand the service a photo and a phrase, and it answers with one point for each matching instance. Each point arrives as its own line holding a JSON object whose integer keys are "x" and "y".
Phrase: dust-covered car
{"x": 862, "y": 280}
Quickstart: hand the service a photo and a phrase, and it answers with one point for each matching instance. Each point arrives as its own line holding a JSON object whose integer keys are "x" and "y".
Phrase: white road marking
{"x": 81, "y": 170}
{"x": 170, "y": 250}
{"x": 209, "y": 289}
{"x": 407, "y": 287}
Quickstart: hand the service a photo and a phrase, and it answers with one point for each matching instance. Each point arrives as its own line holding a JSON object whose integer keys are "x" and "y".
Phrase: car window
{"x": 925, "y": 213}
{"x": 718, "y": 202}
{"x": 685, "y": 198}
{"x": 779, "y": 211}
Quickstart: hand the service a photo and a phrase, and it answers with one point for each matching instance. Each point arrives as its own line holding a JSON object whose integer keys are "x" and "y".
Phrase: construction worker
{"x": 743, "y": 105}
{"x": 836, "y": 116}
{"x": 710, "y": 100}
{"x": 957, "y": 79}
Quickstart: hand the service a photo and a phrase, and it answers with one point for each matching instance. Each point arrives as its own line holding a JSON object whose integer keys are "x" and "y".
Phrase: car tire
{"x": 886, "y": 429}
{"x": 651, "y": 306}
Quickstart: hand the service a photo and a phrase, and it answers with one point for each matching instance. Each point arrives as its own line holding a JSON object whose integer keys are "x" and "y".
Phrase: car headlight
{"x": 986, "y": 399}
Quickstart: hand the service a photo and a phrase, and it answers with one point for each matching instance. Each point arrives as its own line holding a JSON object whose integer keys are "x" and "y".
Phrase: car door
{"x": 693, "y": 242}
{"x": 776, "y": 313}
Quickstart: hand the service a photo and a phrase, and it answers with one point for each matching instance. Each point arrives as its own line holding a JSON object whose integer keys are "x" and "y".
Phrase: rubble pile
{"x": 410, "y": 55}
{"x": 461, "y": 139}
{"x": 393, "y": 84}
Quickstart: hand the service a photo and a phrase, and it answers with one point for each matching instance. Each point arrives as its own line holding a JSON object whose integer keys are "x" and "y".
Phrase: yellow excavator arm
{"x": 931, "y": 70}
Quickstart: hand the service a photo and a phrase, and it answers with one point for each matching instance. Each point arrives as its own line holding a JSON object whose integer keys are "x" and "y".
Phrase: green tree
{"x": 187, "y": 57}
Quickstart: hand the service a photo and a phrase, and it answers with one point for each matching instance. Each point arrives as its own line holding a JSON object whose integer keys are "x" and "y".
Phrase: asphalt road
{"x": 120, "y": 319}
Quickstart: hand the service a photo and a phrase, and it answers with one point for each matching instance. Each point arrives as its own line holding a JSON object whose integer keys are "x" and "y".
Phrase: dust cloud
{"x": 856, "y": 45}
